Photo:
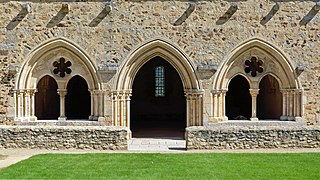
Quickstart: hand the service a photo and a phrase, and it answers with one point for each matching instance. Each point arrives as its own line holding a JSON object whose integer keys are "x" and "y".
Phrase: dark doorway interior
{"x": 238, "y": 99}
{"x": 158, "y": 104}
{"x": 269, "y": 100}
{"x": 77, "y": 99}
{"x": 47, "y": 99}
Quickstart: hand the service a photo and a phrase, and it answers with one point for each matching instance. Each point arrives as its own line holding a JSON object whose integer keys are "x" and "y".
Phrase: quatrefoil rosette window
{"x": 62, "y": 67}
{"x": 253, "y": 66}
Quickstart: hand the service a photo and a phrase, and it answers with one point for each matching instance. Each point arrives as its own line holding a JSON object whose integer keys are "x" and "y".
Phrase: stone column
{"x": 223, "y": 105}
{"x": 29, "y": 105}
{"x": 101, "y": 105}
{"x": 218, "y": 103}
{"x": 19, "y": 94}
{"x": 32, "y": 105}
{"x": 127, "y": 99}
{"x": 284, "y": 116}
{"x": 96, "y": 104}
{"x": 15, "y": 97}
{"x": 114, "y": 108}
{"x": 214, "y": 102}
{"x": 254, "y": 93}
{"x": 62, "y": 93}
{"x": 290, "y": 105}
{"x": 299, "y": 111}
{"x": 21, "y": 97}
{"x": 91, "y": 117}
{"x": 194, "y": 107}
{"x": 121, "y": 107}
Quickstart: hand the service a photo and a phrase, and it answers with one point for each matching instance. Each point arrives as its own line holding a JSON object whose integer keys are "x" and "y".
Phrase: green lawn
{"x": 167, "y": 166}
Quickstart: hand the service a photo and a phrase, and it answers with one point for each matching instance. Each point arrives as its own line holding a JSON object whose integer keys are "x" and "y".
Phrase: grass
{"x": 167, "y": 166}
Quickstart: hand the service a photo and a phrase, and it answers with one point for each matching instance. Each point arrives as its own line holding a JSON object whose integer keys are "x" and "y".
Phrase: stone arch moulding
{"x": 131, "y": 66}
{"x": 39, "y": 63}
{"x": 275, "y": 63}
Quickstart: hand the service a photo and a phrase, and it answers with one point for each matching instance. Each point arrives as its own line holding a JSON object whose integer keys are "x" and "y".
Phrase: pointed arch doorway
{"x": 158, "y": 104}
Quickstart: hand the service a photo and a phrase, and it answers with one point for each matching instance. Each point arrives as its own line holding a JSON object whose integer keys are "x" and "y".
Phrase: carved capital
{"x": 121, "y": 94}
{"x": 193, "y": 93}
{"x": 254, "y": 92}
{"x": 62, "y": 92}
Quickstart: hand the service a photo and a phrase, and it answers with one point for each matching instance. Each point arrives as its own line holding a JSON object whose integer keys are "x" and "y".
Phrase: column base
{"x": 129, "y": 134}
{"x": 33, "y": 118}
{"x": 101, "y": 119}
{"x": 299, "y": 119}
{"x": 218, "y": 119}
{"x": 63, "y": 118}
{"x": 283, "y": 118}
{"x": 93, "y": 118}
{"x": 254, "y": 119}
{"x": 291, "y": 118}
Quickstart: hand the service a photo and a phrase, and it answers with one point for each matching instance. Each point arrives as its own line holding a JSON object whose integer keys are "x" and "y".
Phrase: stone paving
{"x": 157, "y": 144}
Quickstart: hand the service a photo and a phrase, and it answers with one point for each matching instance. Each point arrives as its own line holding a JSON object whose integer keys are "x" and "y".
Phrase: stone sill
{"x": 256, "y": 123}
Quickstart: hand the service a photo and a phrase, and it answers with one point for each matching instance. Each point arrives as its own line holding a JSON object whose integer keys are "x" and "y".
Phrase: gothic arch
{"x": 142, "y": 54}
{"x": 275, "y": 63}
{"x": 239, "y": 74}
{"x": 40, "y": 62}
{"x": 149, "y": 50}
{"x": 53, "y": 49}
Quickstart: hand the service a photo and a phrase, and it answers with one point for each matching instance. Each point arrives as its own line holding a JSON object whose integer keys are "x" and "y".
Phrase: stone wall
{"x": 252, "y": 137}
{"x": 64, "y": 137}
{"x": 207, "y": 36}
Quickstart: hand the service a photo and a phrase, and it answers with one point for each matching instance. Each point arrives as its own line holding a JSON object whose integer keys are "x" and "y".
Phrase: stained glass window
{"x": 159, "y": 81}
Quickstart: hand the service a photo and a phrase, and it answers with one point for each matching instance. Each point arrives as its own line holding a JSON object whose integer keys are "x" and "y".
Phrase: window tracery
{"x": 159, "y": 81}
{"x": 253, "y": 65}
{"x": 62, "y": 67}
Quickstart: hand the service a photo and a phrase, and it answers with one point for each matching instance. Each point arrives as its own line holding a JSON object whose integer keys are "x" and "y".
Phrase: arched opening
{"x": 274, "y": 62}
{"x": 77, "y": 99}
{"x": 158, "y": 104}
{"x": 47, "y": 99}
{"x": 269, "y": 100}
{"x": 238, "y": 99}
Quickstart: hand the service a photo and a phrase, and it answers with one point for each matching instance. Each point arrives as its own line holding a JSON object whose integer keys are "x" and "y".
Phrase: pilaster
{"x": 194, "y": 107}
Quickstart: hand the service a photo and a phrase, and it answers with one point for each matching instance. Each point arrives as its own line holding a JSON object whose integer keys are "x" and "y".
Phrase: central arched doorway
{"x": 158, "y": 104}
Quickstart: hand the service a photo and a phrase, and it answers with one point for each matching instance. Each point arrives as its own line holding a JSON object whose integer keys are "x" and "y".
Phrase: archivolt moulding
{"x": 141, "y": 55}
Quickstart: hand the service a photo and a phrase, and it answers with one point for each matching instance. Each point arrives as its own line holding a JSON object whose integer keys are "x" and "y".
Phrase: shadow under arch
{"x": 275, "y": 62}
{"x": 269, "y": 99}
{"x": 238, "y": 99}
{"x": 47, "y": 99}
{"x": 140, "y": 56}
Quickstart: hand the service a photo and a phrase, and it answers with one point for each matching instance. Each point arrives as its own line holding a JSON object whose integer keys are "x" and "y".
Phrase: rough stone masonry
{"x": 64, "y": 137}
{"x": 252, "y": 137}
{"x": 204, "y": 31}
